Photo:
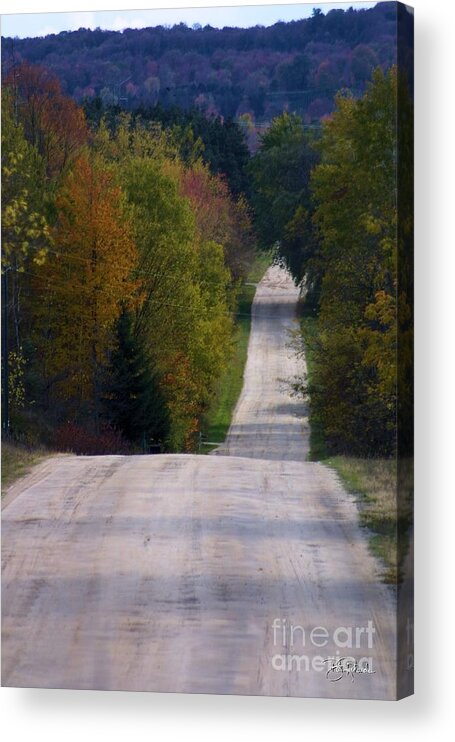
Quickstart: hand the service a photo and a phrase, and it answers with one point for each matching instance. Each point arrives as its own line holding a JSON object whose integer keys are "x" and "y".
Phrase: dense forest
{"x": 336, "y": 224}
{"x": 230, "y": 72}
{"x": 127, "y": 234}
{"x": 122, "y": 256}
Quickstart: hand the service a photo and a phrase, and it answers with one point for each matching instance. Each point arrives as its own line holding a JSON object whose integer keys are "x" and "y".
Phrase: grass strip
{"x": 17, "y": 460}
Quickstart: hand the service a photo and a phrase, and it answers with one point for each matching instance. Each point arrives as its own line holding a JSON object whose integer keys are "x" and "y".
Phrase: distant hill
{"x": 230, "y": 72}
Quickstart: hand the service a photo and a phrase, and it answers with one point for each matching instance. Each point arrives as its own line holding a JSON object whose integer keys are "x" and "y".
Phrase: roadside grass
{"x": 217, "y": 419}
{"x": 384, "y": 509}
{"x": 17, "y": 460}
{"x": 318, "y": 449}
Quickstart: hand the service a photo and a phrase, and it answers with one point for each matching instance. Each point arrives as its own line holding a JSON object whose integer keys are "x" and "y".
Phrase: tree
{"x": 84, "y": 285}
{"x": 25, "y": 242}
{"x": 293, "y": 75}
{"x": 364, "y": 61}
{"x": 172, "y": 264}
{"x": 220, "y": 218}
{"x": 181, "y": 266}
{"x": 24, "y": 226}
{"x": 52, "y": 122}
{"x": 221, "y": 144}
{"x": 282, "y": 200}
{"x": 356, "y": 215}
{"x": 25, "y": 229}
{"x": 133, "y": 400}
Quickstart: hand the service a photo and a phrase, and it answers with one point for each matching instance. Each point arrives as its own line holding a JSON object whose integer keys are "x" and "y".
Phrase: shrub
{"x": 73, "y": 438}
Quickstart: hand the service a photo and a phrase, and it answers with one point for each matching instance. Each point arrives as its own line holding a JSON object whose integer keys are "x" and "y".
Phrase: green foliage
{"x": 81, "y": 286}
{"x": 217, "y": 418}
{"x": 26, "y": 240}
{"x": 281, "y": 174}
{"x": 25, "y": 231}
{"x": 16, "y": 362}
{"x": 356, "y": 214}
{"x": 185, "y": 284}
{"x": 165, "y": 236}
{"x": 122, "y": 269}
{"x": 133, "y": 400}
{"x": 220, "y": 144}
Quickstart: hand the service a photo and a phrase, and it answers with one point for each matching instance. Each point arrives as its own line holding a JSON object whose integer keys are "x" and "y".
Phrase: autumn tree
{"x": 131, "y": 267}
{"x": 185, "y": 317}
{"x": 84, "y": 285}
{"x": 25, "y": 241}
{"x": 356, "y": 214}
{"x": 24, "y": 226}
{"x": 220, "y": 217}
{"x": 186, "y": 331}
{"x": 52, "y": 122}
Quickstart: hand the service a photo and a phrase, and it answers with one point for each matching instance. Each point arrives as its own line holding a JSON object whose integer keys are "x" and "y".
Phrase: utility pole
{"x": 5, "y": 365}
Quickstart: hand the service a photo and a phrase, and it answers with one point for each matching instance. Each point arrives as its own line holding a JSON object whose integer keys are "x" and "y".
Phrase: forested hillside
{"x": 127, "y": 234}
{"x": 228, "y": 72}
{"x": 123, "y": 252}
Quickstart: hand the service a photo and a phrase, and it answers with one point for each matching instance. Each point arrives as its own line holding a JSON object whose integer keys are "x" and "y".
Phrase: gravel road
{"x": 187, "y": 573}
{"x": 268, "y": 423}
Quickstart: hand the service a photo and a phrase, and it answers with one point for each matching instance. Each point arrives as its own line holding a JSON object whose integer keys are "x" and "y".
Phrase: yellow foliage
{"x": 87, "y": 281}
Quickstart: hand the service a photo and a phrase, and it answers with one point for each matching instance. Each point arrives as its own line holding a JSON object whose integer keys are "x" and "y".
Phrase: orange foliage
{"x": 219, "y": 217}
{"x": 88, "y": 280}
{"x": 52, "y": 122}
{"x": 181, "y": 391}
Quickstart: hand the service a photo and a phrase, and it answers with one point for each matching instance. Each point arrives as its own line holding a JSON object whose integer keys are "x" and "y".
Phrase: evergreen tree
{"x": 133, "y": 399}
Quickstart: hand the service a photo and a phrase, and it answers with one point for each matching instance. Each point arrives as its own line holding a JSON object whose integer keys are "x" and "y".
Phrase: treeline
{"x": 122, "y": 255}
{"x": 330, "y": 202}
{"x": 228, "y": 72}
{"x": 224, "y": 148}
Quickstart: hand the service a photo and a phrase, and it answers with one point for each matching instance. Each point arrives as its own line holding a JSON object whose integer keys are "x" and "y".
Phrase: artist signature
{"x": 346, "y": 666}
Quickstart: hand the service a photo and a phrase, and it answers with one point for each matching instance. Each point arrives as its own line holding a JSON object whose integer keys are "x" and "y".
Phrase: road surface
{"x": 236, "y": 573}
{"x": 268, "y": 423}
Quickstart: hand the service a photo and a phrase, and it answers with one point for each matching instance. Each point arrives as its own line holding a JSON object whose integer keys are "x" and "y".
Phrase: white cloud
{"x": 120, "y": 22}
{"x": 81, "y": 20}
{"x": 47, "y": 30}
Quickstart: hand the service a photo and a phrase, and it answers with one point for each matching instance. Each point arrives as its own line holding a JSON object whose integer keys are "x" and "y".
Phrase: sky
{"x": 42, "y": 24}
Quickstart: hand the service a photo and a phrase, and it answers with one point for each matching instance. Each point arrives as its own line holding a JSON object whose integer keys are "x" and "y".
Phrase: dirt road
{"x": 187, "y": 573}
{"x": 268, "y": 423}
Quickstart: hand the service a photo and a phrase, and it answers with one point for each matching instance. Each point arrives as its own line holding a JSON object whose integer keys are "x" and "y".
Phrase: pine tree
{"x": 133, "y": 400}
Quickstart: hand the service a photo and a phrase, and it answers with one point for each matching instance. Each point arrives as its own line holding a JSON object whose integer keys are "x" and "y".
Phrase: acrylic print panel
{"x": 207, "y": 350}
